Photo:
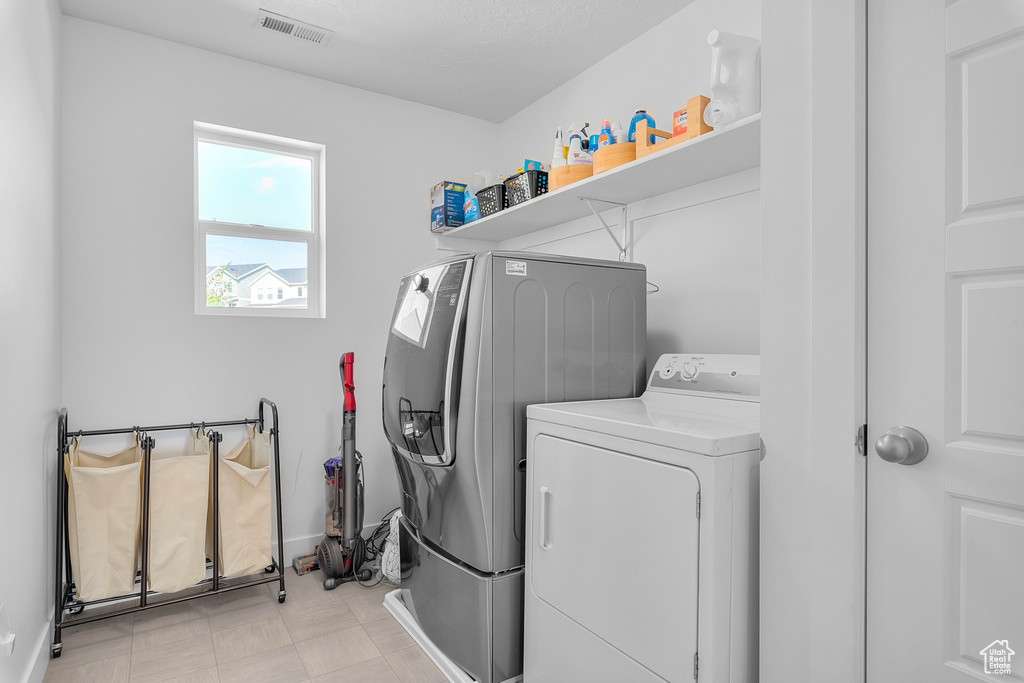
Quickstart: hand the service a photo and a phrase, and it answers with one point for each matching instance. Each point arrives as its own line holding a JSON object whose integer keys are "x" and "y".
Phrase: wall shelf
{"x": 714, "y": 155}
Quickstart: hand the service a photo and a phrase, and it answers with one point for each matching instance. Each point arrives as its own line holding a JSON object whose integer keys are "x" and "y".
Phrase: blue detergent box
{"x": 446, "y": 206}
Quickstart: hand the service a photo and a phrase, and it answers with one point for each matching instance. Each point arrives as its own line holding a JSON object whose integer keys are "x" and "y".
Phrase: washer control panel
{"x": 722, "y": 375}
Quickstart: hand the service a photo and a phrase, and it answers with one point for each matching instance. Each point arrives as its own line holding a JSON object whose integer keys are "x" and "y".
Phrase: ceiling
{"x": 484, "y": 58}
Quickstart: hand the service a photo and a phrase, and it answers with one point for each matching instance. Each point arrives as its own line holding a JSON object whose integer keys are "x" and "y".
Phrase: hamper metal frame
{"x": 66, "y": 602}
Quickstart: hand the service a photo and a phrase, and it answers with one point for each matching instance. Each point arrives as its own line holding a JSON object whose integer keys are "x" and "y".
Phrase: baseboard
{"x": 395, "y": 604}
{"x": 37, "y": 671}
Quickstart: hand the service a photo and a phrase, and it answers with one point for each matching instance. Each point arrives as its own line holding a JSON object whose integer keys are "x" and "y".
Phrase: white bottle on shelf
{"x": 735, "y": 78}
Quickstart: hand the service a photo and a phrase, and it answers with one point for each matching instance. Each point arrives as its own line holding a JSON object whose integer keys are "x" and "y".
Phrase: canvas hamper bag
{"x": 104, "y": 512}
{"x": 179, "y": 489}
{"x": 244, "y": 524}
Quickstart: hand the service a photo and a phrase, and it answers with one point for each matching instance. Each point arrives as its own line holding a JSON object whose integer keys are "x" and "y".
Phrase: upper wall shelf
{"x": 710, "y": 156}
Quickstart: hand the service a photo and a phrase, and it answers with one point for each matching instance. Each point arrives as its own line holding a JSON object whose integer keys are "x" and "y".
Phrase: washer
{"x": 642, "y": 529}
{"x": 474, "y": 339}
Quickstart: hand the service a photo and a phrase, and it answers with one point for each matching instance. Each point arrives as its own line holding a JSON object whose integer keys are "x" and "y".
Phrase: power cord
{"x": 371, "y": 548}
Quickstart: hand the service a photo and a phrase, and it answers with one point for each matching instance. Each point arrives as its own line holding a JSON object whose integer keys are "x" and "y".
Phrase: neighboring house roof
{"x": 238, "y": 271}
{"x": 293, "y": 276}
{"x": 242, "y": 271}
{"x": 261, "y": 277}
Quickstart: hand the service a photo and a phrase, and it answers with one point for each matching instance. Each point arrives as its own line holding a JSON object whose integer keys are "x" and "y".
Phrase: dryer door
{"x": 594, "y": 513}
{"x": 421, "y": 367}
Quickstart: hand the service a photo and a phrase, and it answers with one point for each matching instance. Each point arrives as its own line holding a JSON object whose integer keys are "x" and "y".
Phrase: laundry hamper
{"x": 178, "y": 508}
{"x": 244, "y": 524}
{"x": 104, "y": 511}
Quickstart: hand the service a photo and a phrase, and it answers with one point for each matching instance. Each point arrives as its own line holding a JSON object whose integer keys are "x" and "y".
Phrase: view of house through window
{"x": 257, "y": 223}
{"x": 242, "y": 271}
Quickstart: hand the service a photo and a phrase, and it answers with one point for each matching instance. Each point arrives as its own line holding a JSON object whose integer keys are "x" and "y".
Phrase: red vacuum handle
{"x": 347, "y": 361}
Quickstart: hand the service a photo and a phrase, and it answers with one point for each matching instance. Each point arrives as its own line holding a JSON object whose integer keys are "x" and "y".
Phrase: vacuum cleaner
{"x": 342, "y": 551}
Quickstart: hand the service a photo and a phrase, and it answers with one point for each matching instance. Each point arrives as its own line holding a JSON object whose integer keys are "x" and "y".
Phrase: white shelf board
{"x": 713, "y": 155}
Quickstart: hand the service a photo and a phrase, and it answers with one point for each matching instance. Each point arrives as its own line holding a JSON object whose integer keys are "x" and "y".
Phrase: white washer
{"x": 642, "y": 530}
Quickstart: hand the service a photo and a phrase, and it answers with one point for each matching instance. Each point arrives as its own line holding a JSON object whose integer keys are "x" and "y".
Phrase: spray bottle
{"x": 577, "y": 155}
{"x": 558, "y": 153}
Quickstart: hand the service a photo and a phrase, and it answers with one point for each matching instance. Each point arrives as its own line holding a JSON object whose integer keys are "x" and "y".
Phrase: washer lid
{"x": 701, "y": 425}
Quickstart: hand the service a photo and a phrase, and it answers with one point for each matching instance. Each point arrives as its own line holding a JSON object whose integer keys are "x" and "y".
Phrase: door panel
{"x": 986, "y": 556}
{"x": 945, "y": 335}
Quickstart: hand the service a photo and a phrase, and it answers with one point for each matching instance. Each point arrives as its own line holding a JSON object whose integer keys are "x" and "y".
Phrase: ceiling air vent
{"x": 292, "y": 27}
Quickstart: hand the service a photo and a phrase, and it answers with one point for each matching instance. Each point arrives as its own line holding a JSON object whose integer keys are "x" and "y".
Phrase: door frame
{"x": 813, "y": 340}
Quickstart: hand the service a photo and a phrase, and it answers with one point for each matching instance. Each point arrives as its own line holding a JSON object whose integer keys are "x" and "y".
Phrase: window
{"x": 259, "y": 213}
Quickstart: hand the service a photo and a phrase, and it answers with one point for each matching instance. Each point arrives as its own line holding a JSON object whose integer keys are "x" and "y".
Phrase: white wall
{"x": 812, "y": 342}
{"x": 701, "y": 245}
{"x": 30, "y": 363}
{"x": 786, "y": 341}
{"x": 134, "y": 351}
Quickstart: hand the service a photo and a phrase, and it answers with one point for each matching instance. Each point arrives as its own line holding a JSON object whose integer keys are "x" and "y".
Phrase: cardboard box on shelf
{"x": 446, "y": 210}
{"x": 689, "y": 121}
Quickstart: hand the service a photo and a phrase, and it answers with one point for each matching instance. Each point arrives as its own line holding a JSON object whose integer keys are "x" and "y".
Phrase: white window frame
{"x": 313, "y": 238}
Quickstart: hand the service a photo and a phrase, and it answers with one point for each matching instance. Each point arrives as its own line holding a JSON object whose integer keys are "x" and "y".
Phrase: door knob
{"x": 902, "y": 445}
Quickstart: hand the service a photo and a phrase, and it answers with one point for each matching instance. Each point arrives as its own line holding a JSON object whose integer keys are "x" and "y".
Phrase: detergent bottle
{"x": 606, "y": 137}
{"x": 618, "y": 133}
{"x": 577, "y": 155}
{"x": 735, "y": 78}
{"x": 470, "y": 204}
{"x": 637, "y": 117}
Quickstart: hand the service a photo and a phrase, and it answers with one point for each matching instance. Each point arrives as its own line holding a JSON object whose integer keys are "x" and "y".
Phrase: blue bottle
{"x": 639, "y": 115}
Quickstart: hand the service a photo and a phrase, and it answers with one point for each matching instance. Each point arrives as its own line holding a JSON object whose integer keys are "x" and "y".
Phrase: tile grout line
{"x": 294, "y": 643}
{"x": 216, "y": 662}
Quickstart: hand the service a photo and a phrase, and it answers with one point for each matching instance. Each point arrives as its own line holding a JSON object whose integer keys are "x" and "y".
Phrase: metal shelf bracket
{"x": 625, "y": 246}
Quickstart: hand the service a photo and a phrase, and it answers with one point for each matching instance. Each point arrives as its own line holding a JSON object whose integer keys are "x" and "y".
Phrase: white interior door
{"x": 945, "y": 568}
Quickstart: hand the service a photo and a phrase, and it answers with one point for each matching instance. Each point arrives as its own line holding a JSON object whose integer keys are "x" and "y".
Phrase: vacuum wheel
{"x": 332, "y": 561}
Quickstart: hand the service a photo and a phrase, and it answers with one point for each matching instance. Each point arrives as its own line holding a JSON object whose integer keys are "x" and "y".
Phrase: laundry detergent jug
{"x": 735, "y": 78}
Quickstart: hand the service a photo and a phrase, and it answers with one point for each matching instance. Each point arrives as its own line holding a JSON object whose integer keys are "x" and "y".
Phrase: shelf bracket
{"x": 625, "y": 251}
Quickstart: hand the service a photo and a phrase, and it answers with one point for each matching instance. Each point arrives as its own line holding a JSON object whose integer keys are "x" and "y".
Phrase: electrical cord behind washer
{"x": 371, "y": 548}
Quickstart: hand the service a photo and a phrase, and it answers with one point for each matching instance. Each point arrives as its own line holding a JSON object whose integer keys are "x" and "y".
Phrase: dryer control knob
{"x": 689, "y": 371}
{"x": 419, "y": 283}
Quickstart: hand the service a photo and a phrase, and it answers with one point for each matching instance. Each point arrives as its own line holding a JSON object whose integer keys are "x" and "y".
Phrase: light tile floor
{"x": 245, "y": 635}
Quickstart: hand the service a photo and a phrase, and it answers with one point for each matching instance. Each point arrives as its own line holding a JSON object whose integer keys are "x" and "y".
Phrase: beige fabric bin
{"x": 178, "y": 508}
{"x": 104, "y": 512}
{"x": 244, "y": 474}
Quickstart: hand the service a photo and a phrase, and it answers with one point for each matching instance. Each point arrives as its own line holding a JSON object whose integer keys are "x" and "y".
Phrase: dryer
{"x": 474, "y": 339}
{"x": 642, "y": 530}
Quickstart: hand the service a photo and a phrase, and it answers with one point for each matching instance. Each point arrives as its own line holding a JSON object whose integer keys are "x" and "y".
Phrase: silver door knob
{"x": 902, "y": 445}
